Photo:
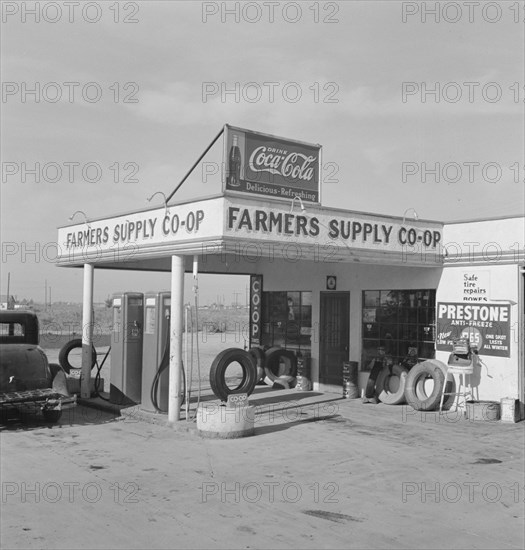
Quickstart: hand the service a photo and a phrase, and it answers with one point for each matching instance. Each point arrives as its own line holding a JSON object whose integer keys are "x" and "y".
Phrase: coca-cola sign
{"x": 266, "y": 165}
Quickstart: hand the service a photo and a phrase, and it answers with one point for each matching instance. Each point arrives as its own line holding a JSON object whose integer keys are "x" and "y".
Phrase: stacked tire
{"x": 280, "y": 367}
{"x": 390, "y": 386}
{"x": 415, "y": 391}
{"x": 397, "y": 385}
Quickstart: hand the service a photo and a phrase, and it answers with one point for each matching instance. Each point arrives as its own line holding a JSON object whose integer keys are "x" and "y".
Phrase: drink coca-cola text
{"x": 290, "y": 165}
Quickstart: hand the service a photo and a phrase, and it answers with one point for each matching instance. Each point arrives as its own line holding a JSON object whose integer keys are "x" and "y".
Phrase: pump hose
{"x": 197, "y": 352}
{"x": 97, "y": 375}
{"x": 164, "y": 364}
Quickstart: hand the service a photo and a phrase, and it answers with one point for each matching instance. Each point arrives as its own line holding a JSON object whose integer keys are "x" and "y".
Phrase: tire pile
{"x": 396, "y": 385}
{"x": 275, "y": 367}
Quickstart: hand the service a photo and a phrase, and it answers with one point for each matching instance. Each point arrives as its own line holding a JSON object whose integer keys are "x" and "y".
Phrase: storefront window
{"x": 398, "y": 323}
{"x": 287, "y": 320}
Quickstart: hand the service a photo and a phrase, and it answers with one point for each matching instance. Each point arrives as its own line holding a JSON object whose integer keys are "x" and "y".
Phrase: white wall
{"x": 503, "y": 285}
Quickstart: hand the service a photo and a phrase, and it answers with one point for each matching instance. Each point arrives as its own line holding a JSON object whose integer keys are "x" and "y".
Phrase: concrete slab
{"x": 320, "y": 472}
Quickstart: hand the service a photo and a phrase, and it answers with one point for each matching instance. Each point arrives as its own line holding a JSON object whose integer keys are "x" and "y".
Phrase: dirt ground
{"x": 320, "y": 472}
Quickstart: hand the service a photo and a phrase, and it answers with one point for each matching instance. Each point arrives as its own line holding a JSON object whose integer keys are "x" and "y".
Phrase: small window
{"x": 287, "y": 320}
{"x": 12, "y": 329}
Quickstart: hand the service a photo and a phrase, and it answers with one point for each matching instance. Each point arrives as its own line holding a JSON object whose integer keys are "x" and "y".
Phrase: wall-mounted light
{"x": 416, "y": 217}
{"x": 166, "y": 211}
{"x": 300, "y": 202}
{"x": 85, "y": 217}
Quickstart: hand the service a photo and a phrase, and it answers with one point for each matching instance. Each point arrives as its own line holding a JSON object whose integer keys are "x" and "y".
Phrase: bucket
{"x": 350, "y": 386}
{"x": 509, "y": 410}
{"x": 484, "y": 411}
{"x": 304, "y": 374}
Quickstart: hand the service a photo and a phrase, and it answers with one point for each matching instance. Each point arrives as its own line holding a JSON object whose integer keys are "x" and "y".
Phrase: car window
{"x": 11, "y": 329}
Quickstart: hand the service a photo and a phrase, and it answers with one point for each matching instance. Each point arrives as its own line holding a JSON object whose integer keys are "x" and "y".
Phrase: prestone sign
{"x": 486, "y": 325}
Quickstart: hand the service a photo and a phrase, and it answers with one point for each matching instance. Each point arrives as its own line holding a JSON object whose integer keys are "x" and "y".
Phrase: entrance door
{"x": 334, "y": 336}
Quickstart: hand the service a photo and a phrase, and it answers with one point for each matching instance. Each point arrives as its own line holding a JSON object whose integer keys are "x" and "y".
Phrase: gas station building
{"x": 330, "y": 284}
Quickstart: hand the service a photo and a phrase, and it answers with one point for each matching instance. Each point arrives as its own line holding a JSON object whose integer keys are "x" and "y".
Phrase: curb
{"x": 135, "y": 413}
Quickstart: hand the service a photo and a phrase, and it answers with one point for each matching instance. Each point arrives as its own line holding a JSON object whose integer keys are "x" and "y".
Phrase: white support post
{"x": 176, "y": 329}
{"x": 87, "y": 331}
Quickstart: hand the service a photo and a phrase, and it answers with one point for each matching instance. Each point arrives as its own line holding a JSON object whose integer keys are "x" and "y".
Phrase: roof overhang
{"x": 249, "y": 229}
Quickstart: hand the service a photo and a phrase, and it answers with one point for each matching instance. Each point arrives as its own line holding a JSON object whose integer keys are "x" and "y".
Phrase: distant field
{"x": 218, "y": 329}
{"x": 62, "y": 322}
{"x": 209, "y": 346}
{"x": 57, "y": 341}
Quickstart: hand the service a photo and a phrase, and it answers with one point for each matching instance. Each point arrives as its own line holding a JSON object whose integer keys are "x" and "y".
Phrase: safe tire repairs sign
{"x": 486, "y": 325}
{"x": 262, "y": 164}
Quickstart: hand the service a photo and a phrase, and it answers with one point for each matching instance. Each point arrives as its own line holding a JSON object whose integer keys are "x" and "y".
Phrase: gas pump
{"x": 126, "y": 348}
{"x": 156, "y": 340}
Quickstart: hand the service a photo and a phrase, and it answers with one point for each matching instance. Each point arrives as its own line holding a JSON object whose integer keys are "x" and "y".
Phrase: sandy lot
{"x": 320, "y": 472}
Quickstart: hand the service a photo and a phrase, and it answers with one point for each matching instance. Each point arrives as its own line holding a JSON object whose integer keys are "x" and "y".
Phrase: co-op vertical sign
{"x": 262, "y": 164}
{"x": 255, "y": 309}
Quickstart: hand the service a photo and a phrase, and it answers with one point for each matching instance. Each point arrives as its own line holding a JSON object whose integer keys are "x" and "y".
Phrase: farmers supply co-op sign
{"x": 202, "y": 226}
{"x": 261, "y": 164}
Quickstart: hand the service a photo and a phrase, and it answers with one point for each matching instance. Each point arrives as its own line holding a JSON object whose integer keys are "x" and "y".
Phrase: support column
{"x": 87, "y": 331}
{"x": 176, "y": 329}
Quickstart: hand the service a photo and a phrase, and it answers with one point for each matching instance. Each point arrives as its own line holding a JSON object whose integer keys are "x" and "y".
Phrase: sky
{"x": 414, "y": 107}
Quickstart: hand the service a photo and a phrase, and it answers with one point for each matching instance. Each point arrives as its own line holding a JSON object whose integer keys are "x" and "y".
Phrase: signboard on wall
{"x": 486, "y": 325}
{"x": 120, "y": 238}
{"x": 476, "y": 286}
{"x": 255, "y": 309}
{"x": 262, "y": 164}
{"x": 331, "y": 229}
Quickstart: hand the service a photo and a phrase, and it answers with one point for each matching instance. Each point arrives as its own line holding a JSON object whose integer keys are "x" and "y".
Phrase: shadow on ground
{"x": 25, "y": 419}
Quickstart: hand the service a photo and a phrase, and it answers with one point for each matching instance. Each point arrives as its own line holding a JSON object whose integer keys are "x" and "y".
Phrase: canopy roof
{"x": 250, "y": 228}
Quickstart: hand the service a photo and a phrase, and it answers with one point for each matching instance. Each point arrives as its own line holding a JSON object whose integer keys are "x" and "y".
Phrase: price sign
{"x": 237, "y": 400}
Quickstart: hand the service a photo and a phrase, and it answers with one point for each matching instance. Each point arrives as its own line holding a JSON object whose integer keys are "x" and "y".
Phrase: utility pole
{"x": 45, "y": 296}
{"x": 8, "y": 283}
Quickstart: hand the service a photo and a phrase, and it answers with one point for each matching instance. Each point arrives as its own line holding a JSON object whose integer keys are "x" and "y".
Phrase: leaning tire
{"x": 63, "y": 356}
{"x": 218, "y": 372}
{"x": 380, "y": 381}
{"x": 397, "y": 397}
{"x": 415, "y": 381}
{"x": 450, "y": 388}
{"x": 260, "y": 360}
{"x": 272, "y": 367}
{"x": 370, "y": 389}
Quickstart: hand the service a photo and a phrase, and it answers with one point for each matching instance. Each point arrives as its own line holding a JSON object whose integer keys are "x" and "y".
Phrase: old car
{"x": 27, "y": 380}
